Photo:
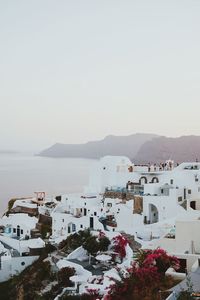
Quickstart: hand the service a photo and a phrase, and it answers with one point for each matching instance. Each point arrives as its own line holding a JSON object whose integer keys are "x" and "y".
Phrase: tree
{"x": 63, "y": 276}
{"x": 75, "y": 240}
{"x": 104, "y": 242}
{"x": 91, "y": 245}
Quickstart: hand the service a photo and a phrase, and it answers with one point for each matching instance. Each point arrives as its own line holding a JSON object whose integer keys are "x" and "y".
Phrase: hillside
{"x": 185, "y": 148}
{"x": 110, "y": 145}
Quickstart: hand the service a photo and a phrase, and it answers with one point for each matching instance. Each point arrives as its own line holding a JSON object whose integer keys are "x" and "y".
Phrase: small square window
{"x": 189, "y": 192}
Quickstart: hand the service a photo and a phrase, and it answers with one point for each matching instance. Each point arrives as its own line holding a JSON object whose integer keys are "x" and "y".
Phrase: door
{"x": 183, "y": 265}
{"x": 18, "y": 230}
{"x": 91, "y": 222}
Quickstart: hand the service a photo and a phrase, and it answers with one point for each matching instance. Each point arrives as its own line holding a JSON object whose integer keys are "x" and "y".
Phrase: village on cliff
{"x": 125, "y": 209}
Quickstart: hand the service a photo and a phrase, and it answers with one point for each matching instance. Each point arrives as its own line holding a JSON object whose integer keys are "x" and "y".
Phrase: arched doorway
{"x": 193, "y": 205}
{"x": 143, "y": 180}
{"x": 155, "y": 180}
{"x": 153, "y": 214}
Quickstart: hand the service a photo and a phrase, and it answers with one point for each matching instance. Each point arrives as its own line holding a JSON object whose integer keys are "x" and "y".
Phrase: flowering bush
{"x": 158, "y": 258}
{"x": 146, "y": 276}
{"x": 93, "y": 294}
{"x": 120, "y": 244}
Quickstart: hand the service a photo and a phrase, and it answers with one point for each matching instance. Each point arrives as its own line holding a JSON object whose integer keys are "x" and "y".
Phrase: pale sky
{"x": 77, "y": 70}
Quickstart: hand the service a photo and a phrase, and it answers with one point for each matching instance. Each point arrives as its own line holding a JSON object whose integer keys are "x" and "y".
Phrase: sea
{"x": 23, "y": 174}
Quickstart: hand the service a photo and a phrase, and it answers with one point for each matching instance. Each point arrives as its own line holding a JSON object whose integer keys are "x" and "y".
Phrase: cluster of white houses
{"x": 159, "y": 205}
{"x": 129, "y": 197}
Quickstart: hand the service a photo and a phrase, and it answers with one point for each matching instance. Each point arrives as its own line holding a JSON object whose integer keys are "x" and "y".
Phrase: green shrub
{"x": 75, "y": 240}
{"x": 63, "y": 276}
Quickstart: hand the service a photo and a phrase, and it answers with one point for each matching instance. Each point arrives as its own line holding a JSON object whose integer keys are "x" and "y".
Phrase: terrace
{"x": 122, "y": 193}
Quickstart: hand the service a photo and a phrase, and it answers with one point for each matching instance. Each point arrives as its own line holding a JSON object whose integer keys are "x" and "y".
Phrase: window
{"x": 180, "y": 199}
{"x": 95, "y": 213}
{"x": 162, "y": 191}
{"x": 23, "y": 263}
{"x": 63, "y": 220}
{"x": 81, "y": 226}
{"x": 22, "y": 231}
{"x": 189, "y": 192}
{"x": 14, "y": 230}
{"x": 109, "y": 204}
{"x": 73, "y": 227}
{"x": 171, "y": 181}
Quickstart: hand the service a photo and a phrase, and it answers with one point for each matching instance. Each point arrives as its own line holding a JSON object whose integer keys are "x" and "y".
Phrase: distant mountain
{"x": 110, "y": 145}
{"x": 182, "y": 149}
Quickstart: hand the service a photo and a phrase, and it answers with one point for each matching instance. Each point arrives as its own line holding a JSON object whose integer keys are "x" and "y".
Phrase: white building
{"x": 76, "y": 212}
{"x": 18, "y": 225}
{"x": 164, "y": 192}
{"x": 183, "y": 241}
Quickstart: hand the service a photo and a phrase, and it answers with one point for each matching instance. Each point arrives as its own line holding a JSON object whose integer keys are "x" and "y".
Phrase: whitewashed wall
{"x": 15, "y": 266}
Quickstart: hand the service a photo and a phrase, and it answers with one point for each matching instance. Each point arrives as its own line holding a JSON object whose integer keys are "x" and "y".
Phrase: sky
{"x": 77, "y": 70}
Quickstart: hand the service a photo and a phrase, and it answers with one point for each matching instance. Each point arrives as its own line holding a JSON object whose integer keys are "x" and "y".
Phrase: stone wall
{"x": 25, "y": 210}
{"x": 118, "y": 195}
{"x": 138, "y": 205}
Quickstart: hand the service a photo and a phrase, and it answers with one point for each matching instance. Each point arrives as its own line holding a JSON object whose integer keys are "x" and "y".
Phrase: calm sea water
{"x": 22, "y": 175}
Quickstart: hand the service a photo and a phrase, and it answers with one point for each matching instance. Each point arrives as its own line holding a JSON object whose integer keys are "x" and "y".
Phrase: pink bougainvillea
{"x": 120, "y": 244}
{"x": 145, "y": 276}
{"x": 158, "y": 258}
{"x": 93, "y": 293}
